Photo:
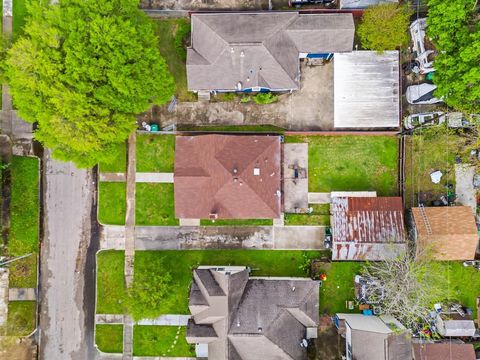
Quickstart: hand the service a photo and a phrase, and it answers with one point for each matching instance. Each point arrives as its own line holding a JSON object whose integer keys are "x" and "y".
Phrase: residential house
{"x": 367, "y": 90}
{"x": 371, "y": 337}
{"x": 235, "y": 316}
{"x": 455, "y": 324}
{"x": 367, "y": 228}
{"x": 443, "y": 351}
{"x": 447, "y": 232}
{"x": 261, "y": 51}
{"x": 227, "y": 177}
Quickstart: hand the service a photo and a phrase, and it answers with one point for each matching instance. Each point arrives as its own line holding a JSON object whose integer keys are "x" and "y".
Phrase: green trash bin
{"x": 429, "y": 76}
{"x": 154, "y": 127}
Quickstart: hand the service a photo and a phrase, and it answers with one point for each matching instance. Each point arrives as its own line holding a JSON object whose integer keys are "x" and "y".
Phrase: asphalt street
{"x": 68, "y": 265}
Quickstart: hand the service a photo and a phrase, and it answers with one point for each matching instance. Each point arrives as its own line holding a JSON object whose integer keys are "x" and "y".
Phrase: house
{"x": 227, "y": 177}
{"x": 443, "y": 351}
{"x": 455, "y": 324}
{"x": 362, "y": 4}
{"x": 367, "y": 228}
{"x": 449, "y": 232}
{"x": 371, "y": 337}
{"x": 235, "y": 316}
{"x": 261, "y": 51}
{"x": 366, "y": 91}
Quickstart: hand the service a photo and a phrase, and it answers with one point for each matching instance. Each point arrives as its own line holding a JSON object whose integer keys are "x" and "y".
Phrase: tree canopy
{"x": 454, "y": 29}
{"x": 82, "y": 71}
{"x": 384, "y": 27}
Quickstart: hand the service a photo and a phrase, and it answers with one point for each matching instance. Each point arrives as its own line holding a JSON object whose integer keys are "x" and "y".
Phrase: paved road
{"x": 67, "y": 298}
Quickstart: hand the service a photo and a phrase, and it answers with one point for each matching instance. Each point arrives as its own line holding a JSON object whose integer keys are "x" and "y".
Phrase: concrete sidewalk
{"x": 154, "y": 177}
{"x": 166, "y": 320}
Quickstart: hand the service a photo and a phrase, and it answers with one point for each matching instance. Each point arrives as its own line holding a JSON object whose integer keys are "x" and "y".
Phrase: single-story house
{"x": 366, "y": 90}
{"x": 454, "y": 324}
{"x": 448, "y": 232}
{"x": 443, "y": 351}
{"x": 367, "y": 228}
{"x": 235, "y": 316}
{"x": 371, "y": 337}
{"x": 251, "y": 51}
{"x": 362, "y": 4}
{"x": 227, "y": 177}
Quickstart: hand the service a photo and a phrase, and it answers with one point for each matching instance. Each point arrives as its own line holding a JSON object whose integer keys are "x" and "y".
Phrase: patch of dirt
{"x": 328, "y": 346}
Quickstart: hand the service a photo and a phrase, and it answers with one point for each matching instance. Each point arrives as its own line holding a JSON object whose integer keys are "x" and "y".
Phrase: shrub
{"x": 265, "y": 98}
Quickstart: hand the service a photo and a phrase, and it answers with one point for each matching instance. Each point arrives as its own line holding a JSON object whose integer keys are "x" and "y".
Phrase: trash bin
{"x": 154, "y": 127}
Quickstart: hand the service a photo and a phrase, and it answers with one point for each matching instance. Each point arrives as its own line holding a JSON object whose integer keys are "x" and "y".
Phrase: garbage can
{"x": 154, "y": 127}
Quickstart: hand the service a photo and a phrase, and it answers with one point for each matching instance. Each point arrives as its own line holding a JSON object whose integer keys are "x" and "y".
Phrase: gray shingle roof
{"x": 260, "y": 49}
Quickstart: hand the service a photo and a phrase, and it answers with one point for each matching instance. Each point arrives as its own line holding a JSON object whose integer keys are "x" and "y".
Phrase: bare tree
{"x": 407, "y": 287}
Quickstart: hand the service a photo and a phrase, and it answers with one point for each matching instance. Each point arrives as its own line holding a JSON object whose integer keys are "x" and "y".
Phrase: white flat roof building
{"x": 366, "y": 90}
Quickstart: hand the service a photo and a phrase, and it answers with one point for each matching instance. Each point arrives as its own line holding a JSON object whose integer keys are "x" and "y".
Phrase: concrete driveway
{"x": 295, "y": 177}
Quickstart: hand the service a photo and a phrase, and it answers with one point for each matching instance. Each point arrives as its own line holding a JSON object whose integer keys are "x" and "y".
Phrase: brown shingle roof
{"x": 214, "y": 174}
{"x": 444, "y": 351}
{"x": 453, "y": 232}
{"x": 367, "y": 228}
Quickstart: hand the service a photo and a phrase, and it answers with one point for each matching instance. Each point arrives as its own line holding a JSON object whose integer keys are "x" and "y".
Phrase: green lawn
{"x": 110, "y": 282}
{"x": 21, "y": 317}
{"x": 155, "y": 204}
{"x": 170, "y": 33}
{"x": 338, "y": 287}
{"x": 161, "y": 341}
{"x": 343, "y": 163}
{"x": 233, "y": 128}
{"x": 427, "y": 151}
{"x": 19, "y": 9}
{"x": 319, "y": 216}
{"x": 119, "y": 164}
{"x": 112, "y": 203}
{"x": 24, "y": 205}
{"x": 23, "y": 273}
{"x": 180, "y": 264}
{"x": 237, "y": 222}
{"x": 155, "y": 153}
{"x": 109, "y": 338}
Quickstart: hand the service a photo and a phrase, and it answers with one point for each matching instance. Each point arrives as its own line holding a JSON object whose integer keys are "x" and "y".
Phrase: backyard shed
{"x": 367, "y": 228}
{"x": 366, "y": 90}
{"x": 450, "y": 232}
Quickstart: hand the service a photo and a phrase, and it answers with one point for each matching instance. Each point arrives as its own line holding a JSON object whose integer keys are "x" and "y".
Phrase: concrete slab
{"x": 189, "y": 222}
{"x": 166, "y": 320}
{"x": 280, "y": 221}
{"x": 112, "y": 237}
{"x": 3, "y": 296}
{"x": 22, "y": 294}
{"x": 295, "y": 177}
{"x": 299, "y": 237}
{"x": 464, "y": 189}
{"x": 154, "y": 177}
{"x": 109, "y": 319}
{"x": 112, "y": 177}
{"x": 319, "y": 198}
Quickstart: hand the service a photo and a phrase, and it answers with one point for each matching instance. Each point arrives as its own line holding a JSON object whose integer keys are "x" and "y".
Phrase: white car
{"x": 421, "y": 94}
{"x": 417, "y": 31}
{"x": 431, "y": 118}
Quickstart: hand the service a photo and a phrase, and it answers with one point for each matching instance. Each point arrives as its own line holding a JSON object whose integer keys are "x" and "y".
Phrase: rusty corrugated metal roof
{"x": 367, "y": 228}
{"x": 232, "y": 176}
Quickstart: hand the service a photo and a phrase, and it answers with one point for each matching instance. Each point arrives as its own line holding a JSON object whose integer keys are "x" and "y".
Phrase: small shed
{"x": 366, "y": 90}
{"x": 455, "y": 325}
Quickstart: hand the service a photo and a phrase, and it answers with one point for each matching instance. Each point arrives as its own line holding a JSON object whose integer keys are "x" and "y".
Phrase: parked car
{"x": 431, "y": 118}
{"x": 421, "y": 94}
{"x": 422, "y": 56}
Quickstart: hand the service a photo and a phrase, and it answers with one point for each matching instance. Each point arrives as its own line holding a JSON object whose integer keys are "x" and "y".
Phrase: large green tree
{"x": 454, "y": 29}
{"x": 82, "y": 71}
{"x": 384, "y": 27}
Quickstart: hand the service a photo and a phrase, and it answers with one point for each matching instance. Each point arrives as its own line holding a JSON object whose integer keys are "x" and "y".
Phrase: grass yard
{"x": 19, "y": 8}
{"x": 112, "y": 203}
{"x": 338, "y": 287}
{"x": 110, "y": 282}
{"x": 234, "y": 128}
{"x": 427, "y": 151}
{"x": 119, "y": 164}
{"x": 356, "y": 163}
{"x": 155, "y": 204}
{"x": 21, "y": 317}
{"x": 159, "y": 341}
{"x": 109, "y": 338}
{"x": 319, "y": 216}
{"x": 155, "y": 153}
{"x": 181, "y": 263}
{"x": 237, "y": 222}
{"x": 23, "y": 273}
{"x": 24, "y": 220}
{"x": 171, "y": 33}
